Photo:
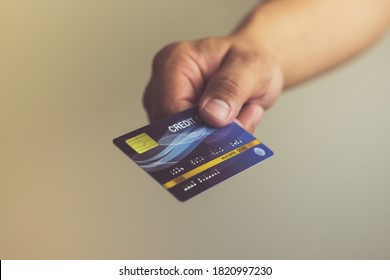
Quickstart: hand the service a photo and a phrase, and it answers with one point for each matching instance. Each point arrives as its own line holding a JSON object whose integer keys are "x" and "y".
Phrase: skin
{"x": 280, "y": 44}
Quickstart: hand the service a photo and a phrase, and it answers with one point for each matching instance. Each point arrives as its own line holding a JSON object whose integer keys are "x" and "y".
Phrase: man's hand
{"x": 228, "y": 78}
{"x": 280, "y": 44}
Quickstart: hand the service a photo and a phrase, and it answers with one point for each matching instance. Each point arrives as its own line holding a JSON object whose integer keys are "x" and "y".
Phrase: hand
{"x": 228, "y": 78}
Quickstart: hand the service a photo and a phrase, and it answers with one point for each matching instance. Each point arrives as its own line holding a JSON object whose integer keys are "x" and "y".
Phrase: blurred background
{"x": 72, "y": 74}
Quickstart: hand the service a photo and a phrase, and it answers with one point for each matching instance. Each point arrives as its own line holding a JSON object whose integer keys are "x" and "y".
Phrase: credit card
{"x": 187, "y": 156}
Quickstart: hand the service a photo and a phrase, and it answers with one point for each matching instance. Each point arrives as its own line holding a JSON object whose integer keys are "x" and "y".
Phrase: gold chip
{"x": 141, "y": 143}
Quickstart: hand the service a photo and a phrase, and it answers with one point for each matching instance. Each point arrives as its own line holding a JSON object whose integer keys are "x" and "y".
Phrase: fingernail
{"x": 218, "y": 108}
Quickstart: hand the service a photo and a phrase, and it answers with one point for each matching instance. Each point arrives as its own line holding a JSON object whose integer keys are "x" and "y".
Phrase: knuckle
{"x": 207, "y": 43}
{"x": 160, "y": 58}
{"x": 247, "y": 53}
{"x": 169, "y": 54}
{"x": 226, "y": 86}
{"x": 252, "y": 56}
{"x": 258, "y": 60}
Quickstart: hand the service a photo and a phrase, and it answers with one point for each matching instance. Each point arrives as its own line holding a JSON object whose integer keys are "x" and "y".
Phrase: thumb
{"x": 241, "y": 77}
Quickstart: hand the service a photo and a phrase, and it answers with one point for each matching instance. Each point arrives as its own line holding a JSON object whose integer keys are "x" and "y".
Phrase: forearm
{"x": 308, "y": 37}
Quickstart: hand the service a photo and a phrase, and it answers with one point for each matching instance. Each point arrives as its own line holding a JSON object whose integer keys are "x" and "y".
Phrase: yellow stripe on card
{"x": 210, "y": 164}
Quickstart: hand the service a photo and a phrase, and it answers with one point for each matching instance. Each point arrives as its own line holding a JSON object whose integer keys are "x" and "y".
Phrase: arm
{"x": 310, "y": 36}
{"x": 281, "y": 43}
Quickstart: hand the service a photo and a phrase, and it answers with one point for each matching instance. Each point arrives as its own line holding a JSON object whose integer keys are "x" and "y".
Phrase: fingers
{"x": 243, "y": 76}
{"x": 160, "y": 99}
{"x": 175, "y": 81}
{"x": 250, "y": 116}
{"x": 252, "y": 113}
{"x": 226, "y": 78}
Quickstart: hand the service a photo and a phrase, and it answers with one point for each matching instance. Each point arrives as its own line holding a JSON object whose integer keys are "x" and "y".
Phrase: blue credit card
{"x": 187, "y": 157}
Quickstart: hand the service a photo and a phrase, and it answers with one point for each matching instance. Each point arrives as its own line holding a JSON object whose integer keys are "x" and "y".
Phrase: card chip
{"x": 141, "y": 143}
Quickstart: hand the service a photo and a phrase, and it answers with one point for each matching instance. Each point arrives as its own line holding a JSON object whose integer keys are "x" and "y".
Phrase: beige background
{"x": 71, "y": 78}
